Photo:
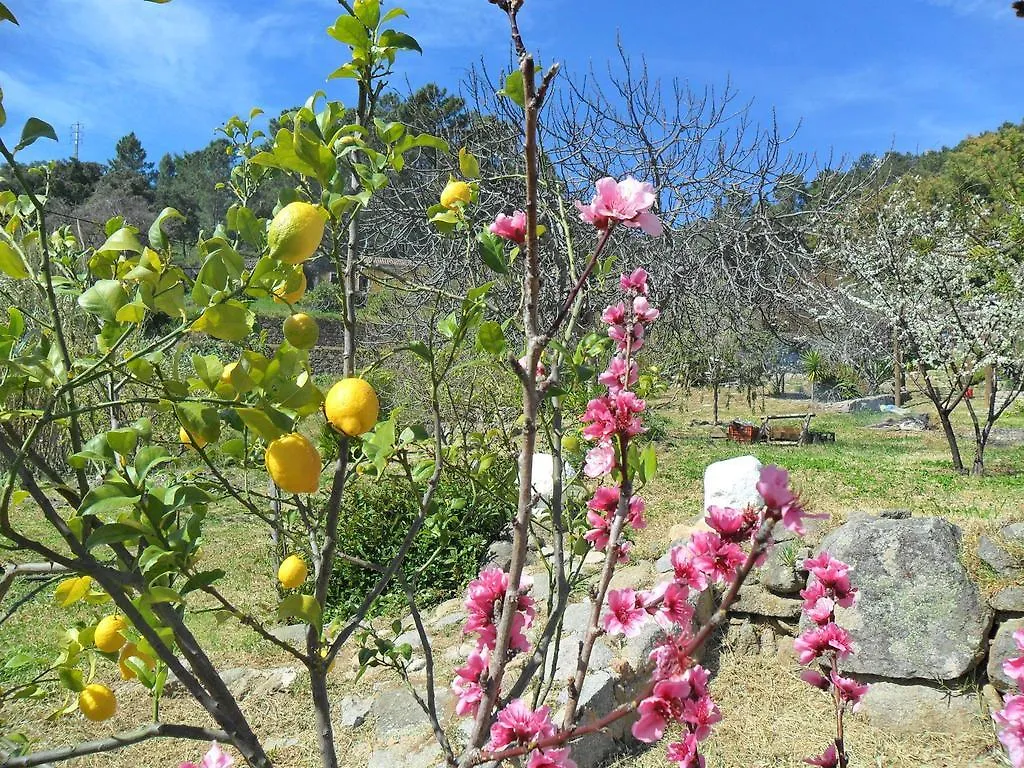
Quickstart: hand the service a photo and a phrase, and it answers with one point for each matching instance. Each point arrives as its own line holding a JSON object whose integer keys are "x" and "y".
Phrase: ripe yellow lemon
{"x": 352, "y": 406}
{"x": 455, "y": 193}
{"x": 293, "y": 572}
{"x": 108, "y": 637}
{"x": 301, "y": 330}
{"x": 200, "y": 441}
{"x": 97, "y": 702}
{"x": 290, "y": 290}
{"x": 131, "y": 650}
{"x": 296, "y": 232}
{"x": 294, "y": 464}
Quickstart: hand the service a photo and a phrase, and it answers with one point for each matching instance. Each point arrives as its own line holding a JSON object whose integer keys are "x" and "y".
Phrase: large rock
{"x": 543, "y": 469}
{"x": 863, "y": 404}
{"x": 396, "y": 713}
{"x": 918, "y": 614}
{"x": 1003, "y": 649}
{"x": 913, "y": 709}
{"x": 424, "y": 753}
{"x": 732, "y": 483}
{"x": 244, "y": 682}
{"x": 1009, "y": 600}
{"x": 754, "y": 599}
{"x": 1004, "y": 553}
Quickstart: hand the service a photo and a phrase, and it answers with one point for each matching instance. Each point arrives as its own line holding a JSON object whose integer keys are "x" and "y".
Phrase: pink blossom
{"x": 614, "y": 377}
{"x": 698, "y": 678}
{"x": 605, "y": 499}
{"x": 1018, "y": 638}
{"x": 510, "y": 227}
{"x": 850, "y": 691}
{"x": 633, "y": 339}
{"x": 664, "y": 706}
{"x": 815, "y": 679}
{"x": 669, "y": 656}
{"x": 827, "y": 759}
{"x": 684, "y": 753}
{"x": 701, "y": 714}
{"x": 636, "y": 518}
{"x": 643, "y": 311}
{"x": 613, "y": 414}
{"x": 599, "y": 533}
{"x": 600, "y": 460}
{"x": 732, "y": 525}
{"x": 627, "y": 201}
{"x": 1010, "y": 720}
{"x": 467, "y": 683}
{"x": 830, "y": 638}
{"x": 625, "y": 614}
{"x": 517, "y": 724}
{"x": 822, "y": 612}
{"x": 635, "y": 282}
{"x": 1014, "y": 669}
{"x": 614, "y": 314}
{"x": 214, "y": 758}
{"x": 541, "y": 371}
{"x": 675, "y": 608}
{"x": 686, "y": 570}
{"x": 551, "y": 758}
{"x": 774, "y": 487}
{"x": 717, "y": 558}
{"x": 484, "y": 599}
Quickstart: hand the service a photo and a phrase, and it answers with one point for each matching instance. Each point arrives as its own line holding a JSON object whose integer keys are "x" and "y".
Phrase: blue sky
{"x": 854, "y": 76}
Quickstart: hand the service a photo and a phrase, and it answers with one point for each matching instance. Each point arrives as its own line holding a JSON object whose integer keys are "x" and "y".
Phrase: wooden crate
{"x": 741, "y": 432}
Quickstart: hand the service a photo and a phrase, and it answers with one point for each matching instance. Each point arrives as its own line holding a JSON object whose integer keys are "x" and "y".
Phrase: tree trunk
{"x": 897, "y": 372}
{"x": 954, "y": 448}
{"x": 714, "y": 390}
{"x": 990, "y": 387}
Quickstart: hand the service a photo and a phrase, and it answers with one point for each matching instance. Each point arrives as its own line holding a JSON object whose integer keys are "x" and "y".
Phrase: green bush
{"x": 445, "y": 554}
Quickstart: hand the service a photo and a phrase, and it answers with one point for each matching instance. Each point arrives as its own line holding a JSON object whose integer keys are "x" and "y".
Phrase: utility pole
{"x": 76, "y": 139}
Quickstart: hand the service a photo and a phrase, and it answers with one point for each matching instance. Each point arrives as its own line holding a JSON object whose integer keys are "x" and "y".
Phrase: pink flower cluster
{"x": 602, "y": 508}
{"x": 777, "y": 494}
{"x": 683, "y": 699}
{"x": 828, "y": 587}
{"x": 518, "y": 726}
{"x": 1010, "y": 718}
{"x": 214, "y": 758}
{"x": 510, "y": 227}
{"x": 628, "y": 201}
{"x": 484, "y": 599}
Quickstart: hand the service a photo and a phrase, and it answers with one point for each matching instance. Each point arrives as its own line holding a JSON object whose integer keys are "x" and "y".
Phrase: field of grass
{"x": 864, "y": 470}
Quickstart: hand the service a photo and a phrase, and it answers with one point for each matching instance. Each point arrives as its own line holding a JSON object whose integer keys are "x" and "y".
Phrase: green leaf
{"x": 230, "y": 321}
{"x": 11, "y": 263}
{"x": 123, "y": 440}
{"x": 123, "y": 239}
{"x": 469, "y": 166}
{"x": 209, "y": 368}
{"x": 368, "y": 12}
{"x": 6, "y": 15}
{"x": 389, "y": 38}
{"x": 147, "y": 458}
{"x": 103, "y": 299}
{"x": 199, "y": 419}
{"x": 259, "y": 422}
{"x": 111, "y": 533}
{"x": 107, "y": 498}
{"x": 490, "y": 338}
{"x": 71, "y": 679}
{"x": 131, "y": 313}
{"x": 34, "y": 130}
{"x": 421, "y": 350}
{"x": 157, "y": 237}
{"x": 159, "y": 594}
{"x": 492, "y": 251}
{"x": 303, "y": 607}
{"x": 514, "y": 88}
{"x": 350, "y": 31}
{"x": 394, "y": 13}
{"x": 202, "y": 579}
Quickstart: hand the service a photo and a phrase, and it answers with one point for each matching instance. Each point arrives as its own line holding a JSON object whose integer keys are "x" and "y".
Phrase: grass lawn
{"x": 763, "y": 702}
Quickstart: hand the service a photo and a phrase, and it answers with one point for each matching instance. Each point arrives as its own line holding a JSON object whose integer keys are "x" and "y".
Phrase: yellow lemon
{"x": 131, "y": 650}
{"x": 294, "y": 464}
{"x": 296, "y": 232}
{"x": 352, "y": 406}
{"x": 108, "y": 637}
{"x": 200, "y": 441}
{"x": 291, "y": 289}
{"x": 97, "y": 702}
{"x": 293, "y": 572}
{"x": 301, "y": 330}
{"x": 456, "y": 193}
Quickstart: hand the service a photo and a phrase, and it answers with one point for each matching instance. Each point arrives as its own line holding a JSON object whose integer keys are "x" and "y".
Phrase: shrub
{"x": 445, "y": 554}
